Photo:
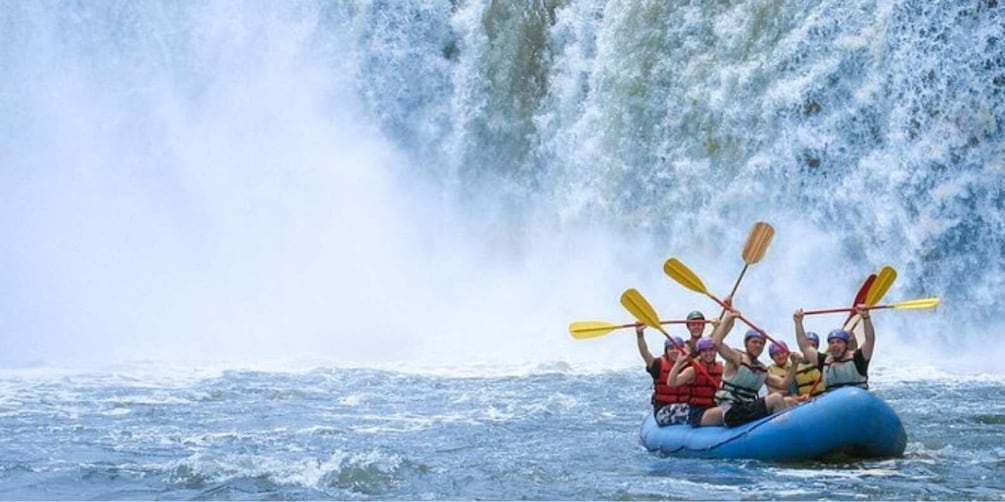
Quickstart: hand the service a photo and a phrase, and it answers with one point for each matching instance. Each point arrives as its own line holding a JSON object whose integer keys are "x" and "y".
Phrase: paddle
{"x": 920, "y": 303}
{"x": 753, "y": 250}
{"x": 862, "y": 294}
{"x": 884, "y": 279}
{"x": 639, "y": 307}
{"x": 860, "y": 297}
{"x": 883, "y": 282}
{"x": 582, "y": 330}
{"x": 683, "y": 275}
{"x": 880, "y": 285}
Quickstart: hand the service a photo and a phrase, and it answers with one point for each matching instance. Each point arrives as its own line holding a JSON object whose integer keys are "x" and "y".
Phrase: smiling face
{"x": 696, "y": 328}
{"x": 708, "y": 355}
{"x": 779, "y": 358}
{"x": 837, "y": 347}
{"x": 671, "y": 352}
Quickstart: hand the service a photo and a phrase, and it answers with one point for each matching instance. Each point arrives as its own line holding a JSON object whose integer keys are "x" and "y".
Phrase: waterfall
{"x": 370, "y": 181}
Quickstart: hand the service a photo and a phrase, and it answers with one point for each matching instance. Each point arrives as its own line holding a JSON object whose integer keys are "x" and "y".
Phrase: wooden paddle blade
{"x": 683, "y": 275}
{"x": 757, "y": 242}
{"x": 637, "y": 305}
{"x": 582, "y": 330}
{"x": 884, "y": 279}
{"x": 920, "y": 303}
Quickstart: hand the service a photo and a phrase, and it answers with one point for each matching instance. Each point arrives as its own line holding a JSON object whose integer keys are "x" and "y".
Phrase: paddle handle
{"x": 736, "y": 286}
{"x": 846, "y": 309}
{"x": 675, "y": 321}
{"x": 745, "y": 320}
{"x": 819, "y": 380}
{"x": 679, "y": 346}
{"x": 683, "y": 349}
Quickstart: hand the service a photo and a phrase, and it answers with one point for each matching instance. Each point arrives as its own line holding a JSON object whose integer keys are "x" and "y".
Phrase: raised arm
{"x": 870, "y": 332}
{"x": 640, "y": 340}
{"x": 852, "y": 337}
{"x": 804, "y": 344}
{"x": 680, "y": 377}
{"x": 723, "y": 329}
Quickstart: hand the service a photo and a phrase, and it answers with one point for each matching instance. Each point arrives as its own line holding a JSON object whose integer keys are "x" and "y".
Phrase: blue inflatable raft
{"x": 847, "y": 421}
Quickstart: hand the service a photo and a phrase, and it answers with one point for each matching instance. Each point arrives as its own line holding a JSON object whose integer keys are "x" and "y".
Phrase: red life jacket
{"x": 664, "y": 394}
{"x": 705, "y": 384}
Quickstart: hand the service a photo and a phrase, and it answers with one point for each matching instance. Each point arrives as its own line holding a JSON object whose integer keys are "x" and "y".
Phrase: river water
{"x": 365, "y": 434}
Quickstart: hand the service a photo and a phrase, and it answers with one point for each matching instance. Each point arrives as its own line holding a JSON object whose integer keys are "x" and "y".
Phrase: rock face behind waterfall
{"x": 851, "y": 118}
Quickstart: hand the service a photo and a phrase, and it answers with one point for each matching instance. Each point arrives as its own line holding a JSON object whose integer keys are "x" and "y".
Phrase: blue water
{"x": 365, "y": 434}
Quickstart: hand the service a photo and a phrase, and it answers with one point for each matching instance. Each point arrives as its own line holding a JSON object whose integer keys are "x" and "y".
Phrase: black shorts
{"x": 741, "y": 413}
{"x": 694, "y": 416}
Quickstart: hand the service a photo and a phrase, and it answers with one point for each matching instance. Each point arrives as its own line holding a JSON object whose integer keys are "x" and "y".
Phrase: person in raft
{"x": 743, "y": 376}
{"x": 669, "y": 403}
{"x": 779, "y": 354}
{"x": 841, "y": 366}
{"x": 704, "y": 382}
{"x": 809, "y": 380}
{"x": 696, "y": 327}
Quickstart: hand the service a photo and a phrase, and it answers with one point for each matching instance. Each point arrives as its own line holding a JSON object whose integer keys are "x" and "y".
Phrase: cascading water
{"x": 369, "y": 181}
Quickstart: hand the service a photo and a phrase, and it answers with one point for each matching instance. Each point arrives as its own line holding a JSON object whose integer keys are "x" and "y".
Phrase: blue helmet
{"x": 753, "y": 333}
{"x": 705, "y": 344}
{"x": 774, "y": 349}
{"x": 813, "y": 337}
{"x": 839, "y": 334}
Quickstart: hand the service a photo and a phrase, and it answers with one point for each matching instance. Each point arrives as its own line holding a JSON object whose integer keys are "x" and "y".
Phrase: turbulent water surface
{"x": 373, "y": 434}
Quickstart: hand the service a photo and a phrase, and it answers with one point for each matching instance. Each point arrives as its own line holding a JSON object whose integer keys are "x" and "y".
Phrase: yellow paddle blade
{"x": 920, "y": 303}
{"x": 637, "y": 305}
{"x": 884, "y": 279}
{"x": 683, "y": 275}
{"x": 590, "y": 329}
{"x": 757, "y": 242}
